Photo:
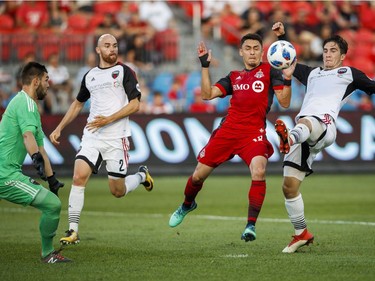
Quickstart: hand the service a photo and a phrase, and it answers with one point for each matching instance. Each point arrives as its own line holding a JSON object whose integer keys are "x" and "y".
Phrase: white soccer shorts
{"x": 298, "y": 162}
{"x": 114, "y": 152}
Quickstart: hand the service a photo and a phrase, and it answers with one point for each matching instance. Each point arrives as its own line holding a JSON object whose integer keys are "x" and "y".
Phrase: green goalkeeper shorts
{"x": 19, "y": 189}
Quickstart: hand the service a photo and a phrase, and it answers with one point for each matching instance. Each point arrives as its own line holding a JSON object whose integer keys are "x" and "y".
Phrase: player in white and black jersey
{"x": 114, "y": 92}
{"x": 328, "y": 88}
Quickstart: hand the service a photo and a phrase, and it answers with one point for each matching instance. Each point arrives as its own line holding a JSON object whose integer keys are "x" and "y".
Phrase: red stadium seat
{"x": 95, "y": 21}
{"x": 104, "y": 7}
{"x": 5, "y": 47}
{"x": 23, "y": 43}
{"x": 73, "y": 46}
{"x": 167, "y": 43}
{"x": 367, "y": 15}
{"x": 78, "y": 23}
{"x": 365, "y": 36}
{"x": 230, "y": 26}
{"x": 6, "y": 24}
{"x": 188, "y": 7}
{"x": 6, "y": 28}
{"x": 48, "y": 43}
{"x": 363, "y": 64}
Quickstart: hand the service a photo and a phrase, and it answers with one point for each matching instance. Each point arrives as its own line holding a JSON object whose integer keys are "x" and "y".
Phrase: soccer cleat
{"x": 178, "y": 216}
{"x": 55, "y": 257}
{"x": 149, "y": 182}
{"x": 305, "y": 238}
{"x": 70, "y": 238}
{"x": 283, "y": 133}
{"x": 249, "y": 233}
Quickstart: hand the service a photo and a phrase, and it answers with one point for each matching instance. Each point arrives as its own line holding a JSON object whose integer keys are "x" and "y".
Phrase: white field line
{"x": 203, "y": 217}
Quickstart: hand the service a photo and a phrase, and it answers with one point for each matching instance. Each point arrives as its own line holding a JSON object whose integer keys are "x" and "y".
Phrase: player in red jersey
{"x": 242, "y": 132}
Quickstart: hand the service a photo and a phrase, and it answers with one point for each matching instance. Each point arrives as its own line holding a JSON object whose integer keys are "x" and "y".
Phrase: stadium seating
{"x": 48, "y": 43}
{"x": 73, "y": 46}
{"x": 166, "y": 42}
{"x": 230, "y": 26}
{"x": 79, "y": 23}
{"x": 162, "y": 82}
{"x": 6, "y": 28}
{"x": 23, "y": 43}
{"x": 6, "y": 23}
{"x": 192, "y": 81}
{"x": 106, "y": 7}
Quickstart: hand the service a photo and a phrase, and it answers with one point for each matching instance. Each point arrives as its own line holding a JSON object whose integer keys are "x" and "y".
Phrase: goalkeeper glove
{"x": 54, "y": 184}
{"x": 38, "y": 163}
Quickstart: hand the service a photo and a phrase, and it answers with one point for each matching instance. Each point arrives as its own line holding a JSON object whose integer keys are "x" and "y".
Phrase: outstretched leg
{"x": 295, "y": 208}
{"x": 256, "y": 195}
{"x": 192, "y": 188}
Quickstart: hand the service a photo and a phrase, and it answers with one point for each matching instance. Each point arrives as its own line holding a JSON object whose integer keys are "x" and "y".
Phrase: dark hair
{"x": 252, "y": 36}
{"x": 343, "y": 45}
{"x": 31, "y": 70}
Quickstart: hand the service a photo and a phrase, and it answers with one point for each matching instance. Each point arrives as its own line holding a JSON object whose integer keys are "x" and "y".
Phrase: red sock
{"x": 191, "y": 191}
{"x": 256, "y": 195}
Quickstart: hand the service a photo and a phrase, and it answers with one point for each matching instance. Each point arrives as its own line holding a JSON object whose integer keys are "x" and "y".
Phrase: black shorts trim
{"x": 305, "y": 153}
{"x": 117, "y": 175}
{"x": 94, "y": 168}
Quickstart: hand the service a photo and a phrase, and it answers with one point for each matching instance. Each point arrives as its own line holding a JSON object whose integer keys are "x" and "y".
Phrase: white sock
{"x": 299, "y": 133}
{"x": 133, "y": 181}
{"x": 295, "y": 209}
{"x": 76, "y": 200}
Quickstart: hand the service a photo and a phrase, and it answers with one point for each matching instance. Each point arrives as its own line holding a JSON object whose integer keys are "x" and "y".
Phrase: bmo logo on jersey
{"x": 257, "y": 87}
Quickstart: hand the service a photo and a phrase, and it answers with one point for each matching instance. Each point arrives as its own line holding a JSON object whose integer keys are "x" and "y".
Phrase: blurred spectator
{"x": 84, "y": 6}
{"x": 275, "y": 15}
{"x": 253, "y": 23}
{"x": 32, "y": 15}
{"x": 61, "y": 86}
{"x": 136, "y": 26}
{"x": 176, "y": 95}
{"x": 327, "y": 14}
{"x": 157, "y": 13}
{"x": 138, "y": 54}
{"x": 158, "y": 105}
{"x": 199, "y": 105}
{"x": 5, "y": 90}
{"x": 109, "y": 25}
{"x": 3, "y": 7}
{"x": 124, "y": 14}
{"x": 145, "y": 90}
{"x": 349, "y": 18}
{"x": 58, "y": 20}
{"x": 365, "y": 103}
{"x": 212, "y": 9}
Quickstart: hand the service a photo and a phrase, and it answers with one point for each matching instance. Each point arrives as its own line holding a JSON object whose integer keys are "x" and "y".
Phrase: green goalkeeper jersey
{"x": 20, "y": 116}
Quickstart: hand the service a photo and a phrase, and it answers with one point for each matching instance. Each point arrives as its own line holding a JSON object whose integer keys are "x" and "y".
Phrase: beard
{"x": 40, "y": 92}
{"x": 111, "y": 59}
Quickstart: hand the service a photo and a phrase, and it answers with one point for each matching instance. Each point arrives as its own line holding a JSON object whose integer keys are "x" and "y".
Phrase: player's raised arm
{"x": 208, "y": 91}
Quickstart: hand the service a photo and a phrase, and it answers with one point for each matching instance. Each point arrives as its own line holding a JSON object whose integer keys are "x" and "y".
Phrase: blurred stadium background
{"x": 158, "y": 40}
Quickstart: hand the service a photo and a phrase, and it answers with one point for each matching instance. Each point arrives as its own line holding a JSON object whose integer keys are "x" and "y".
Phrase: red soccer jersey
{"x": 252, "y": 95}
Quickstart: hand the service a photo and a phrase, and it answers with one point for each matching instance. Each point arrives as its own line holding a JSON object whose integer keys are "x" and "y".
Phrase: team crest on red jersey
{"x": 259, "y": 74}
{"x": 115, "y": 74}
{"x": 258, "y": 86}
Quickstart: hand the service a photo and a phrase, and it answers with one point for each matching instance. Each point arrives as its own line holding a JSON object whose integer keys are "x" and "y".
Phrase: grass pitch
{"x": 129, "y": 238}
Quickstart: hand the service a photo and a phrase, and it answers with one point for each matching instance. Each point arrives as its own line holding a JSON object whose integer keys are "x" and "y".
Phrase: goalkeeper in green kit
{"x": 21, "y": 133}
